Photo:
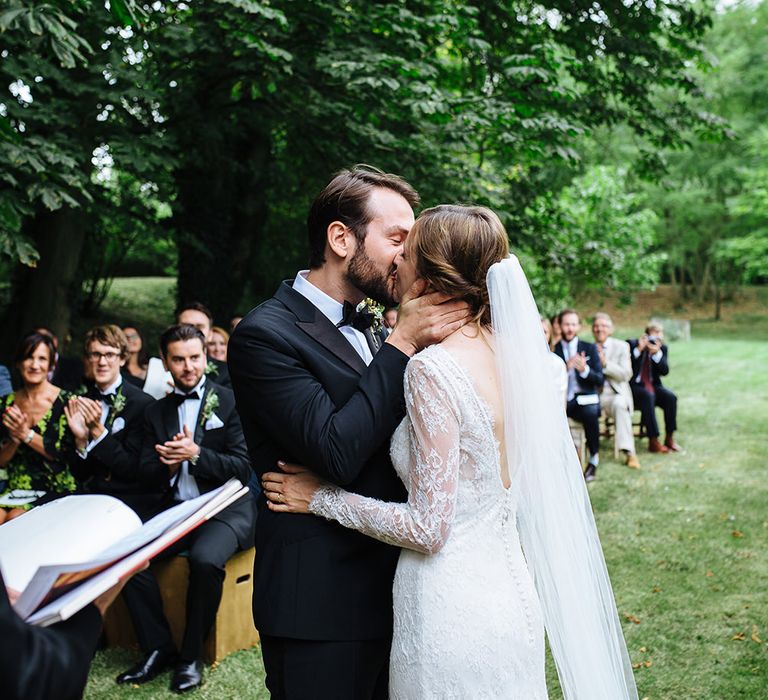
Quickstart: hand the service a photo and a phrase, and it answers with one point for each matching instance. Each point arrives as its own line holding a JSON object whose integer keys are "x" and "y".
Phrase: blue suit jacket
{"x": 6, "y": 387}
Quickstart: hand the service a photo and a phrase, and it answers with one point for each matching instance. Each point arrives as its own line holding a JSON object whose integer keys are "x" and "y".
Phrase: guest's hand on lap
{"x": 292, "y": 490}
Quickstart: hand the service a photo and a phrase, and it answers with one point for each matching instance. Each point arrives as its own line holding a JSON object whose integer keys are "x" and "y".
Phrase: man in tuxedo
{"x": 649, "y": 365}
{"x": 193, "y": 443}
{"x": 616, "y": 398}
{"x": 315, "y": 386}
{"x": 585, "y": 380}
{"x": 108, "y": 423}
{"x": 196, "y": 314}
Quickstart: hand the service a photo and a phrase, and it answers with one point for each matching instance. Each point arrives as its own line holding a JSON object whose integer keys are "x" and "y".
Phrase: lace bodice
{"x": 444, "y": 451}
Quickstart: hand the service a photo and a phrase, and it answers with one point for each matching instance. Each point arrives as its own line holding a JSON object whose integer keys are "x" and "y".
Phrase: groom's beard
{"x": 363, "y": 274}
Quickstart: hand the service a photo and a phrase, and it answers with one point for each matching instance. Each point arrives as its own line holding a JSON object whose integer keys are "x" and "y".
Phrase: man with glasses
{"x": 107, "y": 424}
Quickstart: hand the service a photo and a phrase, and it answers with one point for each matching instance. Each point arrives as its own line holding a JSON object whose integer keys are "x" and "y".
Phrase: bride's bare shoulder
{"x": 466, "y": 345}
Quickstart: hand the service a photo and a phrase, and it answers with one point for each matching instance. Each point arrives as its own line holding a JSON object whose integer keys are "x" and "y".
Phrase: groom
{"x": 315, "y": 386}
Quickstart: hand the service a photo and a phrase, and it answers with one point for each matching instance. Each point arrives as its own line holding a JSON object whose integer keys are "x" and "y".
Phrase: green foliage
{"x": 594, "y": 235}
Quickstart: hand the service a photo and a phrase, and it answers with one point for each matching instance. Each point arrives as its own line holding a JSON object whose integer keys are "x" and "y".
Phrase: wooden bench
{"x": 233, "y": 629}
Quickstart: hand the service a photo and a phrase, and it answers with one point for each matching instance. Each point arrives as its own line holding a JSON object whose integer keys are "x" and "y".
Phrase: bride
{"x": 498, "y": 537}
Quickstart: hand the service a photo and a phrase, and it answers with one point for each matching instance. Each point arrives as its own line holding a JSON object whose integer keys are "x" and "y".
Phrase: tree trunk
{"x": 42, "y": 296}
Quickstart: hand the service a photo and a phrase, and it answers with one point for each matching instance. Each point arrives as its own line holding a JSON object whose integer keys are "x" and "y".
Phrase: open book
{"x": 62, "y": 555}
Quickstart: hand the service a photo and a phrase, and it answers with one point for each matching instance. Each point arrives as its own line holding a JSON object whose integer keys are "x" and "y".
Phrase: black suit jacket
{"x": 223, "y": 455}
{"x": 39, "y": 663}
{"x": 220, "y": 373}
{"x": 595, "y": 379}
{"x": 306, "y": 396}
{"x": 658, "y": 369}
{"x": 112, "y": 466}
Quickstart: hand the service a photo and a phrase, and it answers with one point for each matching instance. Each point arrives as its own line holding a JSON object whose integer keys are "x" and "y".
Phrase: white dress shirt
{"x": 569, "y": 350}
{"x": 111, "y": 389}
{"x": 334, "y": 312}
{"x": 189, "y": 413}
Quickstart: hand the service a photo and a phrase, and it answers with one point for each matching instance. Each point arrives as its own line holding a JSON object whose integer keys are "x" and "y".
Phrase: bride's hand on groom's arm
{"x": 291, "y": 490}
{"x": 426, "y": 318}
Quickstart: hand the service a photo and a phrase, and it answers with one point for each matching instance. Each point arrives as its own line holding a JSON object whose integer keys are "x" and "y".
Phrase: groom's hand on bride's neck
{"x": 426, "y": 318}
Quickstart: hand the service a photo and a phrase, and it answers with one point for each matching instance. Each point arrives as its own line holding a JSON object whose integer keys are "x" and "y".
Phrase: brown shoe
{"x": 632, "y": 461}
{"x": 655, "y": 446}
{"x": 671, "y": 445}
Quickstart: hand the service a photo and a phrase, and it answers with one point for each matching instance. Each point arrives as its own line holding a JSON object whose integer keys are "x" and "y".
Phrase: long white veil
{"x": 557, "y": 528}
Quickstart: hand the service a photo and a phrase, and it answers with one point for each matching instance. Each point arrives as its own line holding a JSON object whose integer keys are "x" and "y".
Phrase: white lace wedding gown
{"x": 467, "y": 621}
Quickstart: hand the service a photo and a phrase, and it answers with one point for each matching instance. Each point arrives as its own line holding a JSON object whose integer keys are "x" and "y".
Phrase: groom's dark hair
{"x": 345, "y": 199}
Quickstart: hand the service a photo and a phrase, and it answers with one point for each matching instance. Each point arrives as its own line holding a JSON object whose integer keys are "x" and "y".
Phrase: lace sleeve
{"x": 422, "y": 523}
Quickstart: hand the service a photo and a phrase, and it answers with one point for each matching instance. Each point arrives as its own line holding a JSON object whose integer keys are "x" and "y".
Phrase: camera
{"x": 652, "y": 339}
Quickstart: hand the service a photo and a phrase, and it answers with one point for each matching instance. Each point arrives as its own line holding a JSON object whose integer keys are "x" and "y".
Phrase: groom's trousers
{"x": 299, "y": 669}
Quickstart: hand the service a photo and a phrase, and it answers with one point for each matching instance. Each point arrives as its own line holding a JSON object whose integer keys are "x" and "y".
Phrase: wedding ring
{"x": 280, "y": 497}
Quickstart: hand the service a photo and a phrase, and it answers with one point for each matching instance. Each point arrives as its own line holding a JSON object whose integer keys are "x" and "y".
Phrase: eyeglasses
{"x": 94, "y": 356}
{"x": 132, "y": 336}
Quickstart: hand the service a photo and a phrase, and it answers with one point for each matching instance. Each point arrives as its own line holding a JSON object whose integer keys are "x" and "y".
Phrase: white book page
{"x": 69, "y": 529}
{"x": 159, "y": 381}
{"x": 208, "y": 505}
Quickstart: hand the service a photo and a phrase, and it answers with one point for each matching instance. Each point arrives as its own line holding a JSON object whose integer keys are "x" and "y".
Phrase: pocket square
{"x": 118, "y": 425}
{"x": 213, "y": 423}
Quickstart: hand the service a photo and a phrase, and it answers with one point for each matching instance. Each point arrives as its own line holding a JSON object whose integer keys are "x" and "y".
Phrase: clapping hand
{"x": 17, "y": 423}
{"x": 601, "y": 355}
{"x": 91, "y": 412}
{"x": 76, "y": 422}
{"x": 577, "y": 362}
{"x": 180, "y": 448}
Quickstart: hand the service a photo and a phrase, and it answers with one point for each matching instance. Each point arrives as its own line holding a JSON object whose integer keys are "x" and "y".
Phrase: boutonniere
{"x": 370, "y": 307}
{"x": 209, "y": 406}
{"x": 119, "y": 403}
{"x": 211, "y": 369}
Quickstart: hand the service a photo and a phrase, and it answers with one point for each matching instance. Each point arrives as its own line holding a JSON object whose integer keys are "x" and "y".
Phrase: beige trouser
{"x": 616, "y": 407}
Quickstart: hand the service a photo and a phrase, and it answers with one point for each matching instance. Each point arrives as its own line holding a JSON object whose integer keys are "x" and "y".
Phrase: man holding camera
{"x": 649, "y": 365}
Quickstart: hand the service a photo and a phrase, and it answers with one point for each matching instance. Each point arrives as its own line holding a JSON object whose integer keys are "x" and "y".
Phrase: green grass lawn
{"x": 685, "y": 537}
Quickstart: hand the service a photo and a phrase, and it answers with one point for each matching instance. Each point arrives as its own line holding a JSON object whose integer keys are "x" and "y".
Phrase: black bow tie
{"x": 359, "y": 320}
{"x": 96, "y": 395}
{"x": 181, "y": 398}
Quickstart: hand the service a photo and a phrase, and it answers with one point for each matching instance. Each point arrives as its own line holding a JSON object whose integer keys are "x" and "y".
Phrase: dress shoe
{"x": 671, "y": 445}
{"x": 632, "y": 461}
{"x": 187, "y": 675}
{"x": 590, "y": 473}
{"x": 150, "y": 666}
{"x": 655, "y": 446}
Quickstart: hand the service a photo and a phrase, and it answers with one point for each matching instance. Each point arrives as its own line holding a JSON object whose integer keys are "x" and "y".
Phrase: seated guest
{"x": 217, "y": 346}
{"x": 5, "y": 381}
{"x": 559, "y": 372}
{"x": 197, "y": 315}
{"x": 66, "y": 372}
{"x": 193, "y": 442}
{"x": 108, "y": 423}
{"x": 616, "y": 398}
{"x": 134, "y": 370}
{"x": 585, "y": 379}
{"x": 649, "y": 365}
{"x": 34, "y": 431}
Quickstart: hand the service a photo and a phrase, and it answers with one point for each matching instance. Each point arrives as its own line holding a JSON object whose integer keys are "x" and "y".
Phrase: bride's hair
{"x": 454, "y": 246}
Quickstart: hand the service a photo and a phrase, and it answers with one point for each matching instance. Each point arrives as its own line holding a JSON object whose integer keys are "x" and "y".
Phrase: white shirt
{"x": 334, "y": 312}
{"x": 569, "y": 350}
{"x": 111, "y": 389}
{"x": 189, "y": 413}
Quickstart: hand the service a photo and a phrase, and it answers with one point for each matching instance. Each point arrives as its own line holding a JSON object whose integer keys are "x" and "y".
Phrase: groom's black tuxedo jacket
{"x": 223, "y": 455}
{"x": 595, "y": 379}
{"x": 305, "y": 396}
